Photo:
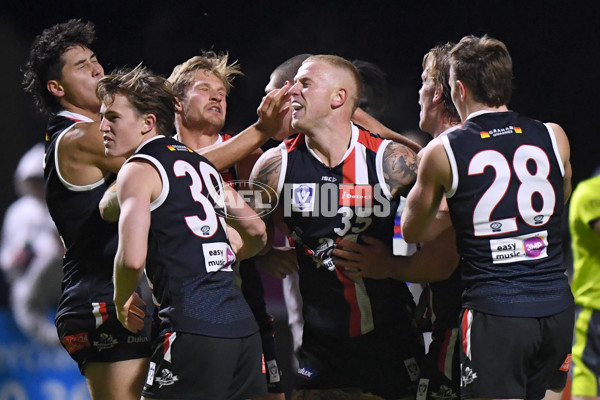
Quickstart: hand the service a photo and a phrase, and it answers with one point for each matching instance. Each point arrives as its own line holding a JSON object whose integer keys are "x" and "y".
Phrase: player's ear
{"x": 340, "y": 96}
{"x": 149, "y": 122}
{"x": 462, "y": 89}
{"x": 437, "y": 94}
{"x": 55, "y": 88}
{"x": 178, "y": 105}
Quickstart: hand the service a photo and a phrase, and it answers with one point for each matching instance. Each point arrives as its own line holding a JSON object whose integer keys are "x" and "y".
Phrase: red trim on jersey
{"x": 350, "y": 296}
{"x": 103, "y": 312}
{"x": 166, "y": 342}
{"x": 72, "y": 119}
{"x": 225, "y": 136}
{"x": 294, "y": 142}
{"x": 349, "y": 176}
{"x": 464, "y": 328}
{"x": 349, "y": 167}
{"x": 369, "y": 140}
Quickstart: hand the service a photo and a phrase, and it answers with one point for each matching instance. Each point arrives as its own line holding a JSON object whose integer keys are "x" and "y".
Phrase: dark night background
{"x": 554, "y": 46}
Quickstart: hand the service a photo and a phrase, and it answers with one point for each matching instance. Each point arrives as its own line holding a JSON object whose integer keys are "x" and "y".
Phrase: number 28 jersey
{"x": 506, "y": 204}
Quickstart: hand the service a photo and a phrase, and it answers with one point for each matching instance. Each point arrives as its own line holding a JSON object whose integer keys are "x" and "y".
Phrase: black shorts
{"x": 440, "y": 370}
{"x": 514, "y": 357}
{"x": 383, "y": 362}
{"x": 92, "y": 333}
{"x": 188, "y": 366}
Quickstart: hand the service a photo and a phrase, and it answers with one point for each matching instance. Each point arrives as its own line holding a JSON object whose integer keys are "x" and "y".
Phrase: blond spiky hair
{"x": 183, "y": 74}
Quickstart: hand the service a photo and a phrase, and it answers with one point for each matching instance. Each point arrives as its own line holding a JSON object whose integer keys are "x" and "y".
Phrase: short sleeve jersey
{"x": 506, "y": 204}
{"x": 190, "y": 266}
{"x": 585, "y": 242}
{"x": 90, "y": 242}
{"x": 322, "y": 205}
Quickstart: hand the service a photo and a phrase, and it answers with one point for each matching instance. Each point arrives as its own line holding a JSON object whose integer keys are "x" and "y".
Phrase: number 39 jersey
{"x": 506, "y": 204}
{"x": 322, "y": 205}
{"x": 190, "y": 260}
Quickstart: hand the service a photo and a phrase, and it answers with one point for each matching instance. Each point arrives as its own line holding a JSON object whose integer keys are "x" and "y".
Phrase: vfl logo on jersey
{"x": 356, "y": 195}
{"x": 519, "y": 248}
{"x": 303, "y": 197}
{"x": 166, "y": 379}
{"x": 500, "y": 131}
{"x": 179, "y": 147}
{"x": 107, "y": 341}
{"x": 218, "y": 256}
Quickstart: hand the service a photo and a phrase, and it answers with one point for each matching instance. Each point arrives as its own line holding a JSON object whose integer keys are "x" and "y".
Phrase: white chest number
{"x": 208, "y": 226}
{"x": 529, "y": 184}
{"x": 361, "y": 224}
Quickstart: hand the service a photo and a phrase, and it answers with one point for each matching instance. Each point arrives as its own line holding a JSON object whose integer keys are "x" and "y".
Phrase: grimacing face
{"x": 204, "y": 102}
{"x": 80, "y": 75}
{"x": 311, "y": 95}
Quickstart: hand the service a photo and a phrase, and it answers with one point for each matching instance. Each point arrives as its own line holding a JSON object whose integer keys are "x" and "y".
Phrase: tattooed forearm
{"x": 400, "y": 168}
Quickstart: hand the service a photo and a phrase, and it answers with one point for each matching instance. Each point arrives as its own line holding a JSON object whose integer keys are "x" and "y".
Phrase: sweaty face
{"x": 121, "y": 127}
{"x": 311, "y": 95}
{"x": 80, "y": 75}
{"x": 204, "y": 104}
{"x": 426, "y": 94}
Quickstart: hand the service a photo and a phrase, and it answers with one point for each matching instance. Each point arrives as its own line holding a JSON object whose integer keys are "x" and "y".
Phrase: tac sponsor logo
{"x": 76, "y": 342}
{"x": 566, "y": 365}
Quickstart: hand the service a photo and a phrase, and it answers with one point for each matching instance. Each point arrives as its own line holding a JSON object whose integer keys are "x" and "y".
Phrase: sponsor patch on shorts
{"x": 76, "y": 342}
{"x": 218, "y": 256}
{"x": 519, "y": 248}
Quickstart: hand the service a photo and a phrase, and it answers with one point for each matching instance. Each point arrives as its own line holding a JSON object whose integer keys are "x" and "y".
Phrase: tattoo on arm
{"x": 400, "y": 168}
{"x": 264, "y": 178}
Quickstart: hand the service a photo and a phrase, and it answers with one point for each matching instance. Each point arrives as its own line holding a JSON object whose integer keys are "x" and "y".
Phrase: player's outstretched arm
{"x": 270, "y": 119}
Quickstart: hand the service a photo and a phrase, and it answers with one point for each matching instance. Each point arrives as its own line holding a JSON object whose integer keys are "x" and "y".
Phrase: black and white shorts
{"x": 188, "y": 366}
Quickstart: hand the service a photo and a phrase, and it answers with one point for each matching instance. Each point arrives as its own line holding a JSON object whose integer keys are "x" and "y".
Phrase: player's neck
{"x": 94, "y": 115}
{"x": 197, "y": 138}
{"x": 331, "y": 143}
{"x": 473, "y": 107}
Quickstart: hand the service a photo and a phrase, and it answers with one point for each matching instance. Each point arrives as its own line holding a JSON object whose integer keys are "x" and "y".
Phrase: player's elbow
{"x": 130, "y": 261}
{"x": 409, "y": 233}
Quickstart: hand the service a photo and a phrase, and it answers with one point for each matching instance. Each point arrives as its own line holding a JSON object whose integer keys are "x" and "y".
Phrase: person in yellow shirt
{"x": 584, "y": 226}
